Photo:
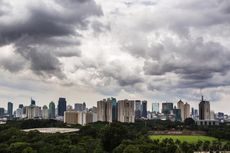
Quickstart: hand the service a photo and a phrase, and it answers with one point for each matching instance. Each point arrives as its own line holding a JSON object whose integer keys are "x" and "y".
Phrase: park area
{"x": 182, "y": 138}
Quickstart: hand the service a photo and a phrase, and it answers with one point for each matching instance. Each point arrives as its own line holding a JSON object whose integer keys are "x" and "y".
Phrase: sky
{"x": 87, "y": 50}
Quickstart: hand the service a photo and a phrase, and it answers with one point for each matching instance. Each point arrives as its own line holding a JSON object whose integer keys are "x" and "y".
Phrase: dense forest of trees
{"x": 102, "y": 137}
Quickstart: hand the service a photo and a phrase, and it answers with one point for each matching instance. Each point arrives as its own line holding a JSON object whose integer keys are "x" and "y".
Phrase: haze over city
{"x": 87, "y": 50}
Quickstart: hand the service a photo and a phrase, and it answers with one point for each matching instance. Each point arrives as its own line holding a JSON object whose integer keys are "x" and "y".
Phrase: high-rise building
{"x": 2, "y": 112}
{"x": 20, "y": 106}
{"x": 144, "y": 109}
{"x": 155, "y": 108}
{"x": 45, "y": 112}
{"x": 33, "y": 102}
{"x": 104, "y": 110}
{"x": 78, "y": 107}
{"x": 186, "y": 110}
{"x": 212, "y": 115}
{"x": 177, "y": 114}
{"x": 114, "y": 109}
{"x": 52, "y": 110}
{"x": 167, "y": 108}
{"x": 69, "y": 108}
{"x": 10, "y": 109}
{"x": 84, "y": 106}
{"x": 61, "y": 106}
{"x": 19, "y": 113}
{"x": 180, "y": 105}
{"x": 204, "y": 110}
{"x": 71, "y": 117}
{"x": 138, "y": 109}
{"x": 126, "y": 111}
{"x": 32, "y": 112}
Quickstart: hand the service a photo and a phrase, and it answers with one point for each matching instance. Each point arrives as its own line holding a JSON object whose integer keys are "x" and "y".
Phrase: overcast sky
{"x": 87, "y": 50}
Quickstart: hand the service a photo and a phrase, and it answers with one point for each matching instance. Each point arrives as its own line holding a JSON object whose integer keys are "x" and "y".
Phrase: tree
{"x": 189, "y": 122}
{"x": 131, "y": 149}
{"x": 28, "y": 150}
{"x": 112, "y": 135}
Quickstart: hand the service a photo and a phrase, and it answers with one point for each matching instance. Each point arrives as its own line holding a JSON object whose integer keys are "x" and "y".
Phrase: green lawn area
{"x": 188, "y": 138}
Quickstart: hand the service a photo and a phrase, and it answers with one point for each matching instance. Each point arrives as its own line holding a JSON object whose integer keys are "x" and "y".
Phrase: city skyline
{"x": 150, "y": 104}
{"x": 85, "y": 50}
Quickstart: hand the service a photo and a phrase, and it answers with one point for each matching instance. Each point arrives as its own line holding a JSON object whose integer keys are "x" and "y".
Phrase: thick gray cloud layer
{"x": 138, "y": 47}
{"x": 46, "y": 31}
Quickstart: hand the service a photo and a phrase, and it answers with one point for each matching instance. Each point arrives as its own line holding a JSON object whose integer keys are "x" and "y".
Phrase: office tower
{"x": 20, "y": 106}
{"x": 61, "y": 106}
{"x": 177, "y": 114}
{"x": 204, "y": 110}
{"x": 32, "y": 111}
{"x": 78, "y": 107}
{"x": 10, "y": 109}
{"x": 180, "y": 105}
{"x": 33, "y": 102}
{"x": 104, "y": 110}
{"x": 84, "y": 106}
{"x": 220, "y": 115}
{"x": 114, "y": 109}
{"x": 144, "y": 109}
{"x": 19, "y": 113}
{"x": 186, "y": 110}
{"x": 167, "y": 108}
{"x": 155, "y": 108}
{"x": 193, "y": 112}
{"x": 126, "y": 111}
{"x": 212, "y": 115}
{"x": 138, "y": 109}
{"x": 71, "y": 117}
{"x": 2, "y": 112}
{"x": 52, "y": 110}
{"x": 69, "y": 108}
{"x": 45, "y": 112}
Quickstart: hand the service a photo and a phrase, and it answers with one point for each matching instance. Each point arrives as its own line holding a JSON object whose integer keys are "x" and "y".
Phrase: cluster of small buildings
{"x": 111, "y": 110}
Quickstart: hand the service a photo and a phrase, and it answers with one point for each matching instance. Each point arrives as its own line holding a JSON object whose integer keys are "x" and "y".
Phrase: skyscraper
{"x": 126, "y": 111}
{"x": 144, "y": 109}
{"x": 2, "y": 112}
{"x": 104, "y": 110}
{"x": 78, "y": 107}
{"x": 186, "y": 110}
{"x": 180, "y": 105}
{"x": 84, "y": 106}
{"x": 20, "y": 106}
{"x": 167, "y": 108}
{"x": 177, "y": 114}
{"x": 33, "y": 102}
{"x": 155, "y": 108}
{"x": 45, "y": 112}
{"x": 114, "y": 109}
{"x": 204, "y": 110}
{"x": 61, "y": 106}
{"x": 138, "y": 109}
{"x": 51, "y": 110}
{"x": 10, "y": 109}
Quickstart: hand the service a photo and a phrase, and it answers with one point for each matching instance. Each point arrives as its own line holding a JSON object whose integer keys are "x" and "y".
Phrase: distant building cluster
{"x": 112, "y": 110}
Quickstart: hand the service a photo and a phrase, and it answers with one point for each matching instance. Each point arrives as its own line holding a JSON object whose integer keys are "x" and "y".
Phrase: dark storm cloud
{"x": 45, "y": 32}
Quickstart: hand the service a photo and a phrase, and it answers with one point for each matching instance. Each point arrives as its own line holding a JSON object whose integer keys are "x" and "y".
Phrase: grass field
{"x": 188, "y": 138}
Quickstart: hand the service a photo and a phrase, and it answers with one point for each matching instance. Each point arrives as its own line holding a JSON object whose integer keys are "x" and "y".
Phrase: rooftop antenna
{"x": 202, "y": 97}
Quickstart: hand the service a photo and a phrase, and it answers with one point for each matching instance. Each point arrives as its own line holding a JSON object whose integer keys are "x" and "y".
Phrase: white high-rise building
{"x": 19, "y": 113}
{"x": 126, "y": 111}
{"x": 186, "y": 110}
{"x": 45, "y": 112}
{"x": 33, "y": 111}
{"x": 180, "y": 105}
{"x": 104, "y": 110}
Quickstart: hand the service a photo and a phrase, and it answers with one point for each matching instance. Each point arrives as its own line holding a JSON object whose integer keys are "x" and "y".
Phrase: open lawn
{"x": 188, "y": 138}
